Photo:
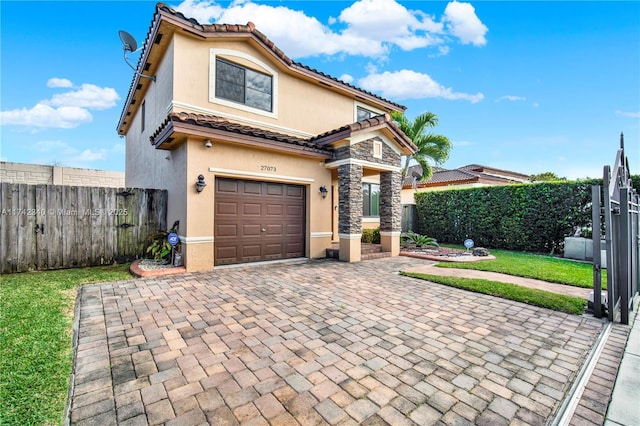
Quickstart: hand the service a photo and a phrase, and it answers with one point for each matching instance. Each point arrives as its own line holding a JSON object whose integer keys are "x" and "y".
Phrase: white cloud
{"x": 628, "y": 114}
{"x": 511, "y": 98}
{"x": 64, "y": 110}
{"x": 442, "y": 51}
{"x": 203, "y": 11}
{"x": 59, "y": 82}
{"x": 89, "y": 156}
{"x": 463, "y": 143}
{"x": 387, "y": 21}
{"x": 53, "y": 146}
{"x": 88, "y": 96}
{"x": 44, "y": 116}
{"x": 63, "y": 154}
{"x": 346, "y": 78}
{"x": 408, "y": 84}
{"x": 319, "y": 39}
{"x": 463, "y": 23}
{"x": 371, "y": 28}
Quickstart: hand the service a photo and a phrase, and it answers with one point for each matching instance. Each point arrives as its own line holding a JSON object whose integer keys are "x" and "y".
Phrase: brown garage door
{"x": 257, "y": 221}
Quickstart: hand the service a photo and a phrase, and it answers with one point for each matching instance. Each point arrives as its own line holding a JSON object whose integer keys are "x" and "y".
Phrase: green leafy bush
{"x": 370, "y": 236}
{"x": 158, "y": 246}
{"x": 532, "y": 217}
{"x": 418, "y": 240}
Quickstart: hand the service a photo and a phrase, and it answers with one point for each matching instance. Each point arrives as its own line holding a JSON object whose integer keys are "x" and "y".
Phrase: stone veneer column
{"x": 390, "y": 212}
{"x": 350, "y": 211}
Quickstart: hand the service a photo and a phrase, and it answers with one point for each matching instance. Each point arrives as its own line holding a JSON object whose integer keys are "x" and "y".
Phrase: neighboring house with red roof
{"x": 263, "y": 158}
{"x": 463, "y": 177}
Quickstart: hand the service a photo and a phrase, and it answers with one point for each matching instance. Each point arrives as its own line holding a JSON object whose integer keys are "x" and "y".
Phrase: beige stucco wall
{"x": 36, "y": 174}
{"x": 299, "y": 103}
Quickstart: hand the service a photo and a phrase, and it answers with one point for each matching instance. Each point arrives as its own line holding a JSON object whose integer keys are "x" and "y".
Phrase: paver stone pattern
{"x": 318, "y": 342}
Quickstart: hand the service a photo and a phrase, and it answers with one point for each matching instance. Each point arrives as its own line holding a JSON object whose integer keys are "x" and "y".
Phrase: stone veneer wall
{"x": 350, "y": 199}
{"x": 35, "y": 174}
{"x": 390, "y": 206}
{"x": 364, "y": 151}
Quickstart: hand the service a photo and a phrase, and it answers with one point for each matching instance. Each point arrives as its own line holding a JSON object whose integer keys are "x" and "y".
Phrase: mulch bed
{"x": 442, "y": 254}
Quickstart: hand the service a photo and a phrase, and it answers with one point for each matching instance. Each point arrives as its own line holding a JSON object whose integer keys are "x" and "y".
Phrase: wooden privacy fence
{"x": 53, "y": 227}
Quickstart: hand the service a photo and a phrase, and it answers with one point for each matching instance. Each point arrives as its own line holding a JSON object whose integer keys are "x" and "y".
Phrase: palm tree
{"x": 431, "y": 147}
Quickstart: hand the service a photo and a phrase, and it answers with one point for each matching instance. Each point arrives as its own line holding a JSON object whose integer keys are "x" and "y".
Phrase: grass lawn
{"x": 36, "y": 328}
{"x": 544, "y": 299}
{"x": 541, "y": 267}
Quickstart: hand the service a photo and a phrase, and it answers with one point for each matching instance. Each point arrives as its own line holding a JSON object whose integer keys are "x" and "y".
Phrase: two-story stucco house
{"x": 283, "y": 149}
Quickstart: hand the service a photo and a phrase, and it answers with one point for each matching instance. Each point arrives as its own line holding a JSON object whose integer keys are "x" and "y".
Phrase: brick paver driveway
{"x": 319, "y": 342}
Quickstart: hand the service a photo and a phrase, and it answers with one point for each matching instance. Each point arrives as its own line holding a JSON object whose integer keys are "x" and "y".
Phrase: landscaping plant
{"x": 418, "y": 240}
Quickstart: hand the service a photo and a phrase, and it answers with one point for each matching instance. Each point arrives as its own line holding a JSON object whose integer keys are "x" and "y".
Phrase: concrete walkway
{"x": 624, "y": 408}
{"x": 318, "y": 342}
{"x": 582, "y": 293}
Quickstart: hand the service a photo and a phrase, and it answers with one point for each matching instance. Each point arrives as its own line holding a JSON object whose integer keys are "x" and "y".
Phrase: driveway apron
{"x": 318, "y": 342}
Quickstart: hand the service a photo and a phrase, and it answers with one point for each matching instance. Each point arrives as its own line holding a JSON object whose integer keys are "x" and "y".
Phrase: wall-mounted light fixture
{"x": 323, "y": 191}
{"x": 207, "y": 143}
{"x": 200, "y": 184}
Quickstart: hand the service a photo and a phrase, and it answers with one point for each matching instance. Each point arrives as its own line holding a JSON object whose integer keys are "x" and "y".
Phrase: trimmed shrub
{"x": 370, "y": 236}
{"x": 529, "y": 217}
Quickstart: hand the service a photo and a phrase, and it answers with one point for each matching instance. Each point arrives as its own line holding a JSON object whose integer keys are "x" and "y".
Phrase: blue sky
{"x": 523, "y": 86}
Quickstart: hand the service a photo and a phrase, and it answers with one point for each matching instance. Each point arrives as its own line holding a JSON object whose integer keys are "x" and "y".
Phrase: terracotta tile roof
{"x": 219, "y": 123}
{"x": 477, "y": 168}
{"x": 382, "y": 119}
{"x": 465, "y": 174}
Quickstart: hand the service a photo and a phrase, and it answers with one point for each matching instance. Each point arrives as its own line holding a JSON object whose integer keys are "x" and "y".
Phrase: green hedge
{"x": 635, "y": 182}
{"x": 531, "y": 217}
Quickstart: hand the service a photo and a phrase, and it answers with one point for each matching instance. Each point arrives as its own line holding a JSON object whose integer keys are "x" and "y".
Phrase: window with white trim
{"x": 243, "y": 85}
{"x": 371, "y": 200}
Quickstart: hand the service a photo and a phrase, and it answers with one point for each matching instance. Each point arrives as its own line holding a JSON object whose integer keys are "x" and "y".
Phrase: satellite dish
{"x": 128, "y": 42}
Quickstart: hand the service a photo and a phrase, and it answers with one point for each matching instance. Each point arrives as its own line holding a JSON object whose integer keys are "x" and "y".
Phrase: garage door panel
{"x": 226, "y": 253}
{"x": 252, "y": 209}
{"x": 251, "y": 188}
{"x": 296, "y": 192}
{"x": 275, "y": 189}
{"x": 274, "y": 230}
{"x": 251, "y": 250}
{"x": 226, "y": 230}
{"x": 274, "y": 210}
{"x": 251, "y": 230}
{"x": 244, "y": 208}
{"x": 226, "y": 186}
{"x": 293, "y": 248}
{"x": 273, "y": 249}
{"x": 227, "y": 209}
{"x": 295, "y": 211}
{"x": 294, "y": 229}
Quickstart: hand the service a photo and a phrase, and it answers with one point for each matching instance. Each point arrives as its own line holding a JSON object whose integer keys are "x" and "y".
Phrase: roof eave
{"x": 176, "y": 131}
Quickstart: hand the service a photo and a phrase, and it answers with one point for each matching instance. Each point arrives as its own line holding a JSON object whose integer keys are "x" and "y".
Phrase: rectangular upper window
{"x": 243, "y": 85}
{"x": 363, "y": 113}
{"x": 143, "y": 115}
